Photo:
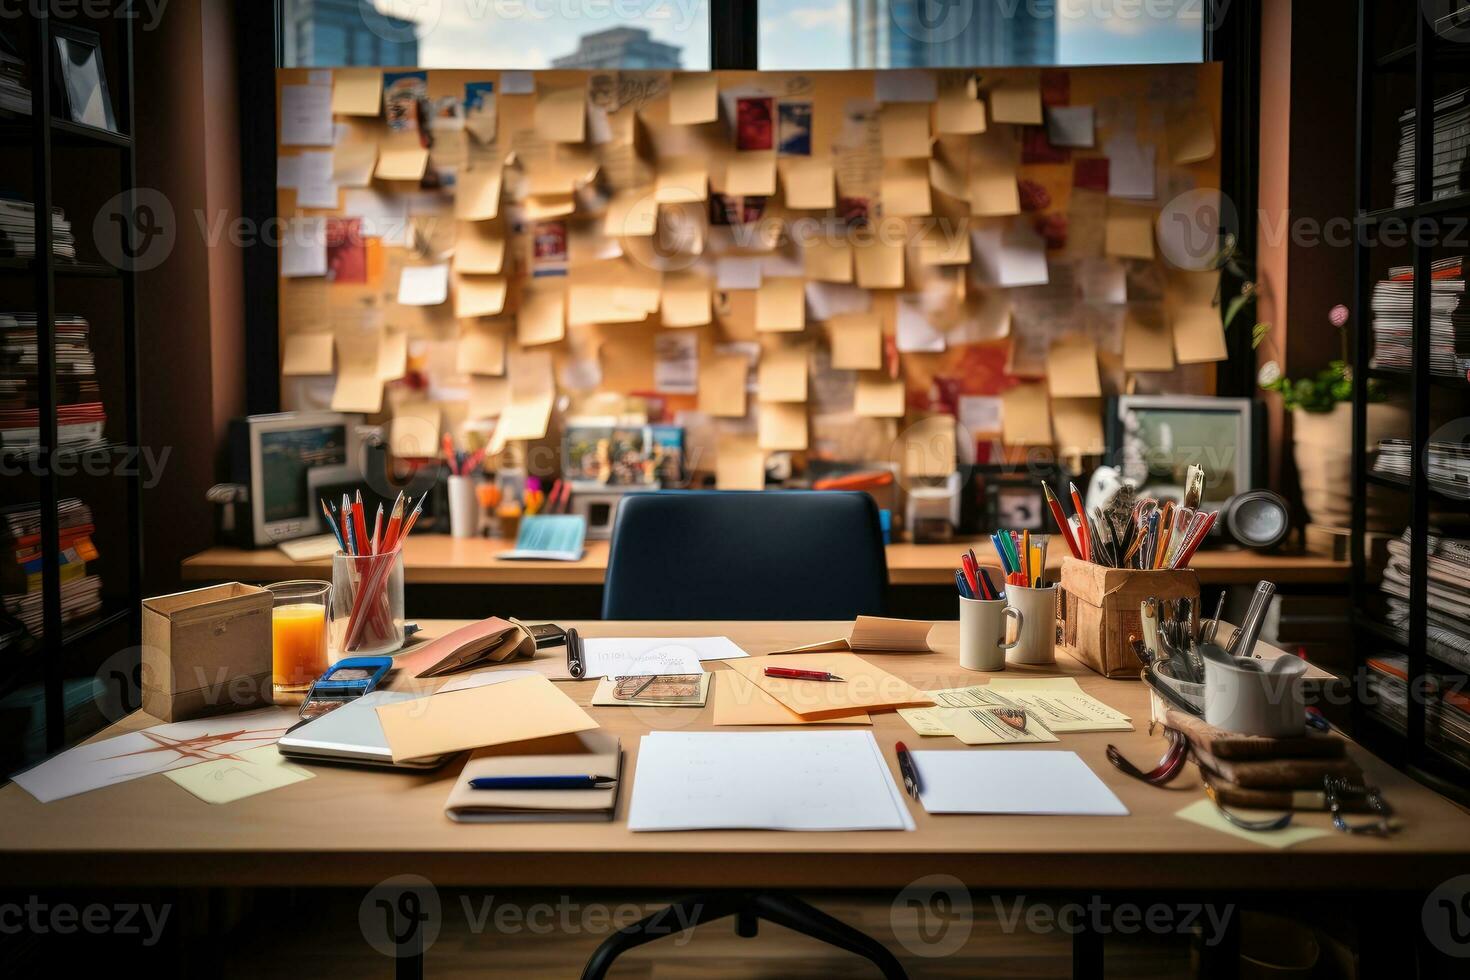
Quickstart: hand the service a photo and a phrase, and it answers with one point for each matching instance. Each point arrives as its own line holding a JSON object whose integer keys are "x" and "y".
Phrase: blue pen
{"x": 1005, "y": 561}
{"x": 542, "y": 782}
{"x": 991, "y": 585}
{"x": 964, "y": 587}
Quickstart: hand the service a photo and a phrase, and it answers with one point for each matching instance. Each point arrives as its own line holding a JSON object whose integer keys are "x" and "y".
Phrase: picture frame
{"x": 81, "y": 78}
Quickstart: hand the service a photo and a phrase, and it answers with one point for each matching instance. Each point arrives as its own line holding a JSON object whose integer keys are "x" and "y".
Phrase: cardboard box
{"x": 1100, "y": 609}
{"x": 207, "y": 651}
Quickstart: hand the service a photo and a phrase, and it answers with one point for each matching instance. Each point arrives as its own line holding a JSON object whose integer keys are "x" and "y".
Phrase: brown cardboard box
{"x": 1100, "y": 608}
{"x": 207, "y": 652}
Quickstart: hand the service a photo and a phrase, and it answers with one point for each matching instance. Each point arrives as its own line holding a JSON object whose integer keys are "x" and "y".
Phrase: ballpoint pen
{"x": 1084, "y": 540}
{"x": 906, "y": 768}
{"x": 792, "y": 673}
{"x": 962, "y": 585}
{"x": 542, "y": 782}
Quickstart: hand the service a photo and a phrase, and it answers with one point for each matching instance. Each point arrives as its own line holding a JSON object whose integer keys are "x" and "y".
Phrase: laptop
{"x": 352, "y": 734}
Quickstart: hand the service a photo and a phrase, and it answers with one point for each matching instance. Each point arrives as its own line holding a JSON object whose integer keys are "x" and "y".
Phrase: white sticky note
{"x": 423, "y": 285}
{"x": 304, "y": 248}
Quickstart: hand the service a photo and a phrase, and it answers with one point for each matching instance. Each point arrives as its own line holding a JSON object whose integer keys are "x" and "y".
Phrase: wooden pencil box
{"x": 1100, "y": 611}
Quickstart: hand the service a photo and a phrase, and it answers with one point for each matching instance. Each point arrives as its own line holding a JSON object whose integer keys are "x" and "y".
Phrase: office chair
{"x": 709, "y": 554}
{"x": 723, "y": 555}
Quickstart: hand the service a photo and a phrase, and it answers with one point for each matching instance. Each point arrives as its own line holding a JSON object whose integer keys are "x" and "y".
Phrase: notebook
{"x": 351, "y": 734}
{"x": 577, "y": 754}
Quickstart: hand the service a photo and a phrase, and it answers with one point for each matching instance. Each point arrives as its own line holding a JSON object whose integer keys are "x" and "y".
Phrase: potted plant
{"x": 1322, "y": 432}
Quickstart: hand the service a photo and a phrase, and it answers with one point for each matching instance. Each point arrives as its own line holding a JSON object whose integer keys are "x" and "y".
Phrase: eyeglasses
{"x": 1339, "y": 791}
{"x": 1169, "y": 767}
{"x": 1254, "y": 826}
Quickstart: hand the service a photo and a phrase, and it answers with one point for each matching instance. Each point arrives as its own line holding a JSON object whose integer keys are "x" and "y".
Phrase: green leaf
{"x": 1259, "y": 333}
{"x": 1233, "y": 308}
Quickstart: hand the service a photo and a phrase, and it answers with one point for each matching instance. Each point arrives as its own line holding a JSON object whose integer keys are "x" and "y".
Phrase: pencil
{"x": 378, "y": 528}
{"x": 1061, "y": 518}
{"x": 1084, "y": 540}
{"x": 1026, "y": 558}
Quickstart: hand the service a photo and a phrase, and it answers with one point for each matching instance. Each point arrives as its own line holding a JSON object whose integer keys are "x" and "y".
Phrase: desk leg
{"x": 1087, "y": 949}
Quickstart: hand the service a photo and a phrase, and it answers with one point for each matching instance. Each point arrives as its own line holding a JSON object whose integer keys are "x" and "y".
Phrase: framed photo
{"x": 81, "y": 78}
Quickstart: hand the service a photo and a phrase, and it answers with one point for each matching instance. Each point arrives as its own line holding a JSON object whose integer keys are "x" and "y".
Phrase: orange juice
{"x": 298, "y": 644}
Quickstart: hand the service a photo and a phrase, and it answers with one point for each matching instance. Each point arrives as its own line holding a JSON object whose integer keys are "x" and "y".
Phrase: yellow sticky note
{"x": 255, "y": 771}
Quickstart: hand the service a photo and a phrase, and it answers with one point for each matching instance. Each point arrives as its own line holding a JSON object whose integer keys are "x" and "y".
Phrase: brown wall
{"x": 190, "y": 310}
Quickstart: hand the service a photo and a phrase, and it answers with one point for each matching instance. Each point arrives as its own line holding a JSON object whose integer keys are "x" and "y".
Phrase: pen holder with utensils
{"x": 367, "y": 605}
{"x": 983, "y": 628}
{"x": 1100, "y": 610}
{"x": 1036, "y": 635}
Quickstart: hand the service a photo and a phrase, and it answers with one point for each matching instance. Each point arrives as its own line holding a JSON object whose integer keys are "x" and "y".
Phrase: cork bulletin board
{"x": 908, "y": 266}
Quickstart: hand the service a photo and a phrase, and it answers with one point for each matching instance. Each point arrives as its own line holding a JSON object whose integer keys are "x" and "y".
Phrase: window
{"x": 813, "y": 34}
{"x": 648, "y": 34}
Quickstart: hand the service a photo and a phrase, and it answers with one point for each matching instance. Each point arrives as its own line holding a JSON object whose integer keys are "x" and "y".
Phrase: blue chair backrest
{"x": 709, "y": 554}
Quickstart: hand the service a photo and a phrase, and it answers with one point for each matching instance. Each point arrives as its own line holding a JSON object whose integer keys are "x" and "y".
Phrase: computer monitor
{"x": 285, "y": 461}
{"x": 1155, "y": 438}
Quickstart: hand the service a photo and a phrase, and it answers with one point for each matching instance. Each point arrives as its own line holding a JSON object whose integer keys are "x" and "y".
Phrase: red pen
{"x": 791, "y": 673}
{"x": 971, "y": 575}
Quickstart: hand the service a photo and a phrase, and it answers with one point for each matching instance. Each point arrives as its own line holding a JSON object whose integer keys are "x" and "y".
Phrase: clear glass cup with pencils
{"x": 367, "y": 577}
{"x": 299, "y": 623}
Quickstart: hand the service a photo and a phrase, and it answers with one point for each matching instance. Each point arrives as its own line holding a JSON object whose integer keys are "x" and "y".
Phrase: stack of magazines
{"x": 1449, "y": 465}
{"x": 1451, "y": 149}
{"x": 1449, "y": 319}
{"x": 18, "y": 231}
{"x": 21, "y": 560}
{"x": 15, "y": 89}
{"x": 1449, "y": 595}
{"x": 1446, "y": 707}
{"x": 80, "y": 415}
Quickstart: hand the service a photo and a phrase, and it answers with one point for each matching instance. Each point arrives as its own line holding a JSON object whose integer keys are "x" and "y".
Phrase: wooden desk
{"x": 441, "y": 560}
{"x": 355, "y": 827}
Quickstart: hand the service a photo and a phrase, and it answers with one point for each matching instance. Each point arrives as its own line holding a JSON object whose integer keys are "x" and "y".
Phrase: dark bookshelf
{"x": 1404, "y": 62}
{"x": 52, "y": 161}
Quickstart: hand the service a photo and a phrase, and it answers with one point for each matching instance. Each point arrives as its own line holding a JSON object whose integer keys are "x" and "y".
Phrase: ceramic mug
{"x": 1037, "y": 638}
{"x": 983, "y": 633}
{"x": 464, "y": 507}
{"x": 1257, "y": 697}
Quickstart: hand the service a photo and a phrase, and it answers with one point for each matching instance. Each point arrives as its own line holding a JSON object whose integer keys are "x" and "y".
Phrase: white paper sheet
{"x": 639, "y": 656}
{"x": 1019, "y": 781}
{"x": 915, "y": 333}
{"x": 764, "y": 781}
{"x": 153, "y": 750}
{"x": 306, "y": 115}
{"x": 304, "y": 248}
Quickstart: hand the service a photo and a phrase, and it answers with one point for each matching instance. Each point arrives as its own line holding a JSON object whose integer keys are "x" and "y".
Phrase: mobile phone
{"x": 548, "y": 635}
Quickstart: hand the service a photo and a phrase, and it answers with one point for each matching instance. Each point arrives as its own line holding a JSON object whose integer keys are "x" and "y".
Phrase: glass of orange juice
{"x": 299, "y": 623}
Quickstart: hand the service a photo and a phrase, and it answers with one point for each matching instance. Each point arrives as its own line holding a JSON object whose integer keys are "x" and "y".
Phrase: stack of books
{"x": 15, "y": 88}
{"x": 1451, "y": 149}
{"x": 81, "y": 417}
{"x": 18, "y": 231}
{"x": 1449, "y": 465}
{"x": 1448, "y": 627}
{"x": 1446, "y": 709}
{"x": 21, "y": 557}
{"x": 1449, "y": 319}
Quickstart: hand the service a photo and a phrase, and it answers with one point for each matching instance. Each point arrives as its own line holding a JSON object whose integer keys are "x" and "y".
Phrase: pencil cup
{"x": 983, "y": 643}
{"x": 1037, "y": 636}
{"x": 464, "y": 507}
{"x": 1254, "y": 699}
{"x": 367, "y": 605}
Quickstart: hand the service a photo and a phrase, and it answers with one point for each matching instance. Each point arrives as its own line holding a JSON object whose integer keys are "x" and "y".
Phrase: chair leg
{"x": 686, "y": 912}
{"x": 799, "y": 916}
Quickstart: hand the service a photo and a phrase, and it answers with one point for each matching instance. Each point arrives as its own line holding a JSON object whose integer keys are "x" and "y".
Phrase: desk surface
{"x": 441, "y": 560}
{"x": 358, "y": 826}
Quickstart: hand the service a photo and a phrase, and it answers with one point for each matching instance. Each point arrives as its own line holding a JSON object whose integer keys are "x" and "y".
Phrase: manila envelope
{"x": 511, "y": 711}
{"x": 863, "y": 687}
{"x": 739, "y": 702}
{"x": 875, "y": 634}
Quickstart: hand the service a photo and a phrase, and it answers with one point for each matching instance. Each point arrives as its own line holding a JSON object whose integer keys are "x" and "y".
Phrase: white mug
{"x": 464, "y": 507}
{"x": 1267, "y": 701}
{"x": 983, "y": 633}
{"x": 1037, "y": 638}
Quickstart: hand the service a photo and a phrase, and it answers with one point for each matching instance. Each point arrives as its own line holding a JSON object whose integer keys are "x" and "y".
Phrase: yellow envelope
{"x": 357, "y": 92}
{"x": 495, "y": 714}
{"x": 863, "y": 687}
{"x": 739, "y": 702}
